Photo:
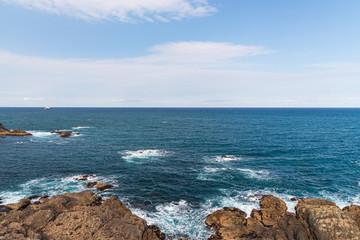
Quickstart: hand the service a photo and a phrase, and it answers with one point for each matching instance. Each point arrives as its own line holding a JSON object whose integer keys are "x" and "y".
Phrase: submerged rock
{"x": 75, "y": 216}
{"x": 316, "y": 219}
{"x": 15, "y": 132}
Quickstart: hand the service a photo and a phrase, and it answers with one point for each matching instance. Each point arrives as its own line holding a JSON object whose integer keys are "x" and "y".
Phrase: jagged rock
{"x": 272, "y": 221}
{"x": 103, "y": 186}
{"x": 91, "y": 184}
{"x": 354, "y": 212}
{"x": 75, "y": 216}
{"x": 20, "y": 205}
{"x": 15, "y": 132}
{"x": 323, "y": 220}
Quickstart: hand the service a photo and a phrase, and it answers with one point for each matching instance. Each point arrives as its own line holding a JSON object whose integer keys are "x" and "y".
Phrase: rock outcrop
{"x": 63, "y": 133}
{"x": 74, "y": 216}
{"x": 324, "y": 220}
{"x": 315, "y": 219}
{"x": 6, "y": 132}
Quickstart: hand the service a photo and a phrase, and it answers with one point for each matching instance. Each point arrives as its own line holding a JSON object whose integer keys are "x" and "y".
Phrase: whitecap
{"x": 211, "y": 173}
{"x": 178, "y": 219}
{"x": 258, "y": 174}
{"x": 143, "y": 154}
{"x": 80, "y": 127}
{"x": 53, "y": 186}
{"x": 223, "y": 158}
{"x": 41, "y": 134}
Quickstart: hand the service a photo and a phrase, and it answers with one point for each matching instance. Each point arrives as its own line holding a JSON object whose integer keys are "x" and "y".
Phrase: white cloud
{"x": 121, "y": 10}
{"x": 185, "y": 74}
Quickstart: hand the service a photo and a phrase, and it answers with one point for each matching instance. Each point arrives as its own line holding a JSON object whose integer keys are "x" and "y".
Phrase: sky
{"x": 179, "y": 53}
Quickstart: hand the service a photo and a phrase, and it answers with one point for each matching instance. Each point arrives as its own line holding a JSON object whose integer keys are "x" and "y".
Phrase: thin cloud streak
{"x": 121, "y": 10}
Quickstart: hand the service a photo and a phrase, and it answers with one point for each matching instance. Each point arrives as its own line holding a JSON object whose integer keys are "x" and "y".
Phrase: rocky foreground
{"x": 6, "y": 132}
{"x": 74, "y": 216}
{"x": 315, "y": 219}
{"x": 86, "y": 216}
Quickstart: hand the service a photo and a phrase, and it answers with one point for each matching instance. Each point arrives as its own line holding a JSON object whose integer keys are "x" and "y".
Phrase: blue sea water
{"x": 166, "y": 164}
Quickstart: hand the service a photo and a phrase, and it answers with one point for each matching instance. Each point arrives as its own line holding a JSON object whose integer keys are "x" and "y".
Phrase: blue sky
{"x": 180, "y": 53}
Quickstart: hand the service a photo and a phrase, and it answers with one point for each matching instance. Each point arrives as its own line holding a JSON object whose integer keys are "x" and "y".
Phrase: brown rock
{"x": 272, "y": 221}
{"x": 20, "y": 205}
{"x": 65, "y": 134}
{"x": 15, "y": 132}
{"x": 323, "y": 220}
{"x": 74, "y": 216}
{"x": 103, "y": 186}
{"x": 91, "y": 184}
{"x": 354, "y": 212}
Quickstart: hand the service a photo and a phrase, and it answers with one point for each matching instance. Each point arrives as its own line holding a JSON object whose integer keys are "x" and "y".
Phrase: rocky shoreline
{"x": 6, "y": 132}
{"x": 85, "y": 215}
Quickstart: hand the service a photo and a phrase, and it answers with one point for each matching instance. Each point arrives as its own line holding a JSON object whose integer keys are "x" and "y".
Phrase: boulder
{"x": 323, "y": 220}
{"x": 272, "y": 221}
{"x": 103, "y": 186}
{"x": 75, "y": 216}
{"x": 353, "y": 211}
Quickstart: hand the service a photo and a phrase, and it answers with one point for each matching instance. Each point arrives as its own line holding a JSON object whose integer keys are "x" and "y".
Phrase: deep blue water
{"x": 285, "y": 152}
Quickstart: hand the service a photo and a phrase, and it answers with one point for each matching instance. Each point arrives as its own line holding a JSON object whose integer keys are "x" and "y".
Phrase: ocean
{"x": 166, "y": 164}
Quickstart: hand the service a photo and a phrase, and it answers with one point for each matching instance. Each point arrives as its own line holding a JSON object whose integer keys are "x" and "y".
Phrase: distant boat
{"x": 47, "y": 108}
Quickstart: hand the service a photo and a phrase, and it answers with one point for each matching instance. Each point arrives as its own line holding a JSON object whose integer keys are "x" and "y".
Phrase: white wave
{"x": 182, "y": 219}
{"x": 40, "y": 134}
{"x": 178, "y": 219}
{"x": 340, "y": 200}
{"x": 143, "y": 154}
{"x": 80, "y": 127}
{"x": 53, "y": 186}
{"x": 258, "y": 174}
{"x": 211, "y": 173}
{"x": 223, "y": 158}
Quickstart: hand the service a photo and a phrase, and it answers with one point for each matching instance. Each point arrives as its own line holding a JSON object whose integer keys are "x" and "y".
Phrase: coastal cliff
{"x": 85, "y": 215}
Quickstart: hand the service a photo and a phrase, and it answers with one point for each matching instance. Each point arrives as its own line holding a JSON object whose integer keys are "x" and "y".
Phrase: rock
{"x": 65, "y": 134}
{"x": 91, "y": 184}
{"x": 15, "y": 132}
{"x": 354, "y": 212}
{"x": 103, "y": 186}
{"x": 75, "y": 216}
{"x": 323, "y": 220}
{"x": 272, "y": 221}
{"x": 294, "y": 199}
{"x": 85, "y": 177}
{"x": 227, "y": 157}
{"x": 20, "y": 205}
